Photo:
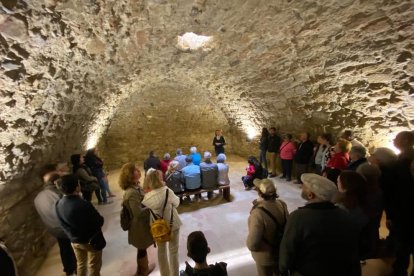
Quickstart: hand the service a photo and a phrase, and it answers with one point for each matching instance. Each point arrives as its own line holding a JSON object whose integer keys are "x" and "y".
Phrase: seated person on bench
{"x": 192, "y": 176}
{"x": 209, "y": 174}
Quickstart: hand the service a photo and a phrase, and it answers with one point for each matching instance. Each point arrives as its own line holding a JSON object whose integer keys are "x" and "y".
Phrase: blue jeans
{"x": 262, "y": 159}
{"x": 103, "y": 191}
{"x": 107, "y": 186}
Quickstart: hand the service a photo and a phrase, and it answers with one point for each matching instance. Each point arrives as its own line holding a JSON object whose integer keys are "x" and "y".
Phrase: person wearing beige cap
{"x": 266, "y": 223}
{"x": 320, "y": 238}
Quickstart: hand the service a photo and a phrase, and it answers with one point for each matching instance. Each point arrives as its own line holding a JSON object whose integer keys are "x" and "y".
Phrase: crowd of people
{"x": 191, "y": 172}
{"x": 347, "y": 193}
{"x": 337, "y": 229}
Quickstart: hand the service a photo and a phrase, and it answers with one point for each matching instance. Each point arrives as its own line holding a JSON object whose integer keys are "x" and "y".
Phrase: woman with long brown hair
{"x": 139, "y": 232}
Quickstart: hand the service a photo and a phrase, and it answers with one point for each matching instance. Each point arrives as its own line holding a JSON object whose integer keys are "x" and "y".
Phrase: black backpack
{"x": 126, "y": 217}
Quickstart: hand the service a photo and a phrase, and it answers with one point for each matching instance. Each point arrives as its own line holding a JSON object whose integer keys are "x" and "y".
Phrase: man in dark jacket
{"x": 402, "y": 221}
{"x": 273, "y": 150}
{"x": 152, "y": 162}
{"x": 320, "y": 239}
{"x": 303, "y": 156}
{"x": 80, "y": 221}
{"x": 45, "y": 203}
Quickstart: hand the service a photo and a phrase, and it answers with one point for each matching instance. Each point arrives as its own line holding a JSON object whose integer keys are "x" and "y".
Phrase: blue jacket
{"x": 196, "y": 158}
{"x": 192, "y": 176}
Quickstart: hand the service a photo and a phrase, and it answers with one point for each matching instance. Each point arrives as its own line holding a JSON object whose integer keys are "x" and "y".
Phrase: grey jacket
{"x": 209, "y": 175}
{"x": 263, "y": 229}
{"x": 45, "y": 203}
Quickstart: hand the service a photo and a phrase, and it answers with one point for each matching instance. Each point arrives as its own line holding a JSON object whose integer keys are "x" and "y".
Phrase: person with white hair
{"x": 223, "y": 170}
{"x": 319, "y": 238}
{"x": 357, "y": 157}
{"x": 195, "y": 156}
{"x": 174, "y": 178}
{"x": 209, "y": 174}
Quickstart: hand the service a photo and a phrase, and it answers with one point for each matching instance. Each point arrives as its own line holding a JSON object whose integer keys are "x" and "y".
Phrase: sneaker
{"x": 101, "y": 203}
{"x": 247, "y": 188}
{"x": 112, "y": 195}
{"x": 297, "y": 182}
{"x": 288, "y": 179}
{"x": 282, "y": 177}
{"x": 272, "y": 175}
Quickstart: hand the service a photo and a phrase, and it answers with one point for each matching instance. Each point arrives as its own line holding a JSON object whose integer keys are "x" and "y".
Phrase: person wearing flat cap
{"x": 320, "y": 239}
{"x": 266, "y": 221}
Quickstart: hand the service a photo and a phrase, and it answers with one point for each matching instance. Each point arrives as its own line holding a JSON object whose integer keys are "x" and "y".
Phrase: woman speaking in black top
{"x": 219, "y": 142}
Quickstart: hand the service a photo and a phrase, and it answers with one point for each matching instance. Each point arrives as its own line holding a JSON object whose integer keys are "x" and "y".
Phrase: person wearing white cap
{"x": 320, "y": 238}
{"x": 266, "y": 223}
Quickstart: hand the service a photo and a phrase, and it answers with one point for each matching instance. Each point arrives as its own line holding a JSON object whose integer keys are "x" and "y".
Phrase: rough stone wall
{"x": 162, "y": 119}
{"x": 67, "y": 66}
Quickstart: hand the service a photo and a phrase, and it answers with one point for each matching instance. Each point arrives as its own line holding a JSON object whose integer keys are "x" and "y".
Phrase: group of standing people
{"x": 89, "y": 169}
{"x": 338, "y": 228}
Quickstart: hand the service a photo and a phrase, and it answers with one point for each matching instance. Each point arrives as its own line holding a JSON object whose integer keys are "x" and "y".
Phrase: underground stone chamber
{"x": 113, "y": 74}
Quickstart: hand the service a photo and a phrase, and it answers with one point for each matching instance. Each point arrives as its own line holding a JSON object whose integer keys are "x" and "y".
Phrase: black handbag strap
{"x": 163, "y": 209}
{"x": 272, "y": 216}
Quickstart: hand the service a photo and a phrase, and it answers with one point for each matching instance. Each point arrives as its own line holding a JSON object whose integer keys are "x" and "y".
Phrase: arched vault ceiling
{"x": 312, "y": 64}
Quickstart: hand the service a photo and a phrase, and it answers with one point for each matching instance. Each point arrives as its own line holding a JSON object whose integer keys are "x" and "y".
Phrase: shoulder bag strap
{"x": 165, "y": 203}
{"x": 270, "y": 215}
{"x": 284, "y": 146}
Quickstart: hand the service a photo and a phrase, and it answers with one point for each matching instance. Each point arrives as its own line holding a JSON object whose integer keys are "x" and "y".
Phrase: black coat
{"x": 152, "y": 162}
{"x": 79, "y": 219}
{"x": 320, "y": 239}
{"x": 274, "y": 143}
{"x": 304, "y": 153}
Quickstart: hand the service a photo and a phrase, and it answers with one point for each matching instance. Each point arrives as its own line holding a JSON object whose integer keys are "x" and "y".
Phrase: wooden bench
{"x": 224, "y": 188}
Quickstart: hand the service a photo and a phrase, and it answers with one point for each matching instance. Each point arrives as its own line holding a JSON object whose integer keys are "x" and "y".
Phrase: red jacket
{"x": 250, "y": 170}
{"x": 339, "y": 160}
{"x": 164, "y": 166}
{"x": 287, "y": 150}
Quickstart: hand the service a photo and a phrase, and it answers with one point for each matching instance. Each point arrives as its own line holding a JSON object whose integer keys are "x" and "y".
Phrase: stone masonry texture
{"x": 83, "y": 71}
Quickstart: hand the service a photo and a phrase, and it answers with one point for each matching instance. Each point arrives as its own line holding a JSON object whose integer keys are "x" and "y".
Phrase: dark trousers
{"x": 67, "y": 256}
{"x": 287, "y": 169}
{"x": 219, "y": 150}
{"x": 247, "y": 181}
{"x": 299, "y": 170}
{"x": 405, "y": 248}
{"x": 87, "y": 195}
{"x": 262, "y": 158}
{"x": 98, "y": 194}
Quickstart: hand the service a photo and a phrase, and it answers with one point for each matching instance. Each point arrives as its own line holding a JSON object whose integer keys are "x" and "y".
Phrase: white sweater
{"x": 155, "y": 201}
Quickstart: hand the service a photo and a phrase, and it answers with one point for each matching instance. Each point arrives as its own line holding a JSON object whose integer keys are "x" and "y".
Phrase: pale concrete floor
{"x": 224, "y": 224}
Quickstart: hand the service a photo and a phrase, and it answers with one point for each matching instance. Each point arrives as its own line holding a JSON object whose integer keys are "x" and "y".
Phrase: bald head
{"x": 404, "y": 140}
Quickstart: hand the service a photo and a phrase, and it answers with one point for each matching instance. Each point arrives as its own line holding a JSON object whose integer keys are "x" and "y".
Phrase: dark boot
{"x": 144, "y": 268}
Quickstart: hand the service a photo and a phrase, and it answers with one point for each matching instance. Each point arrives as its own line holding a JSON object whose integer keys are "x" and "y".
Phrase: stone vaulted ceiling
{"x": 316, "y": 65}
{"x": 77, "y": 72}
